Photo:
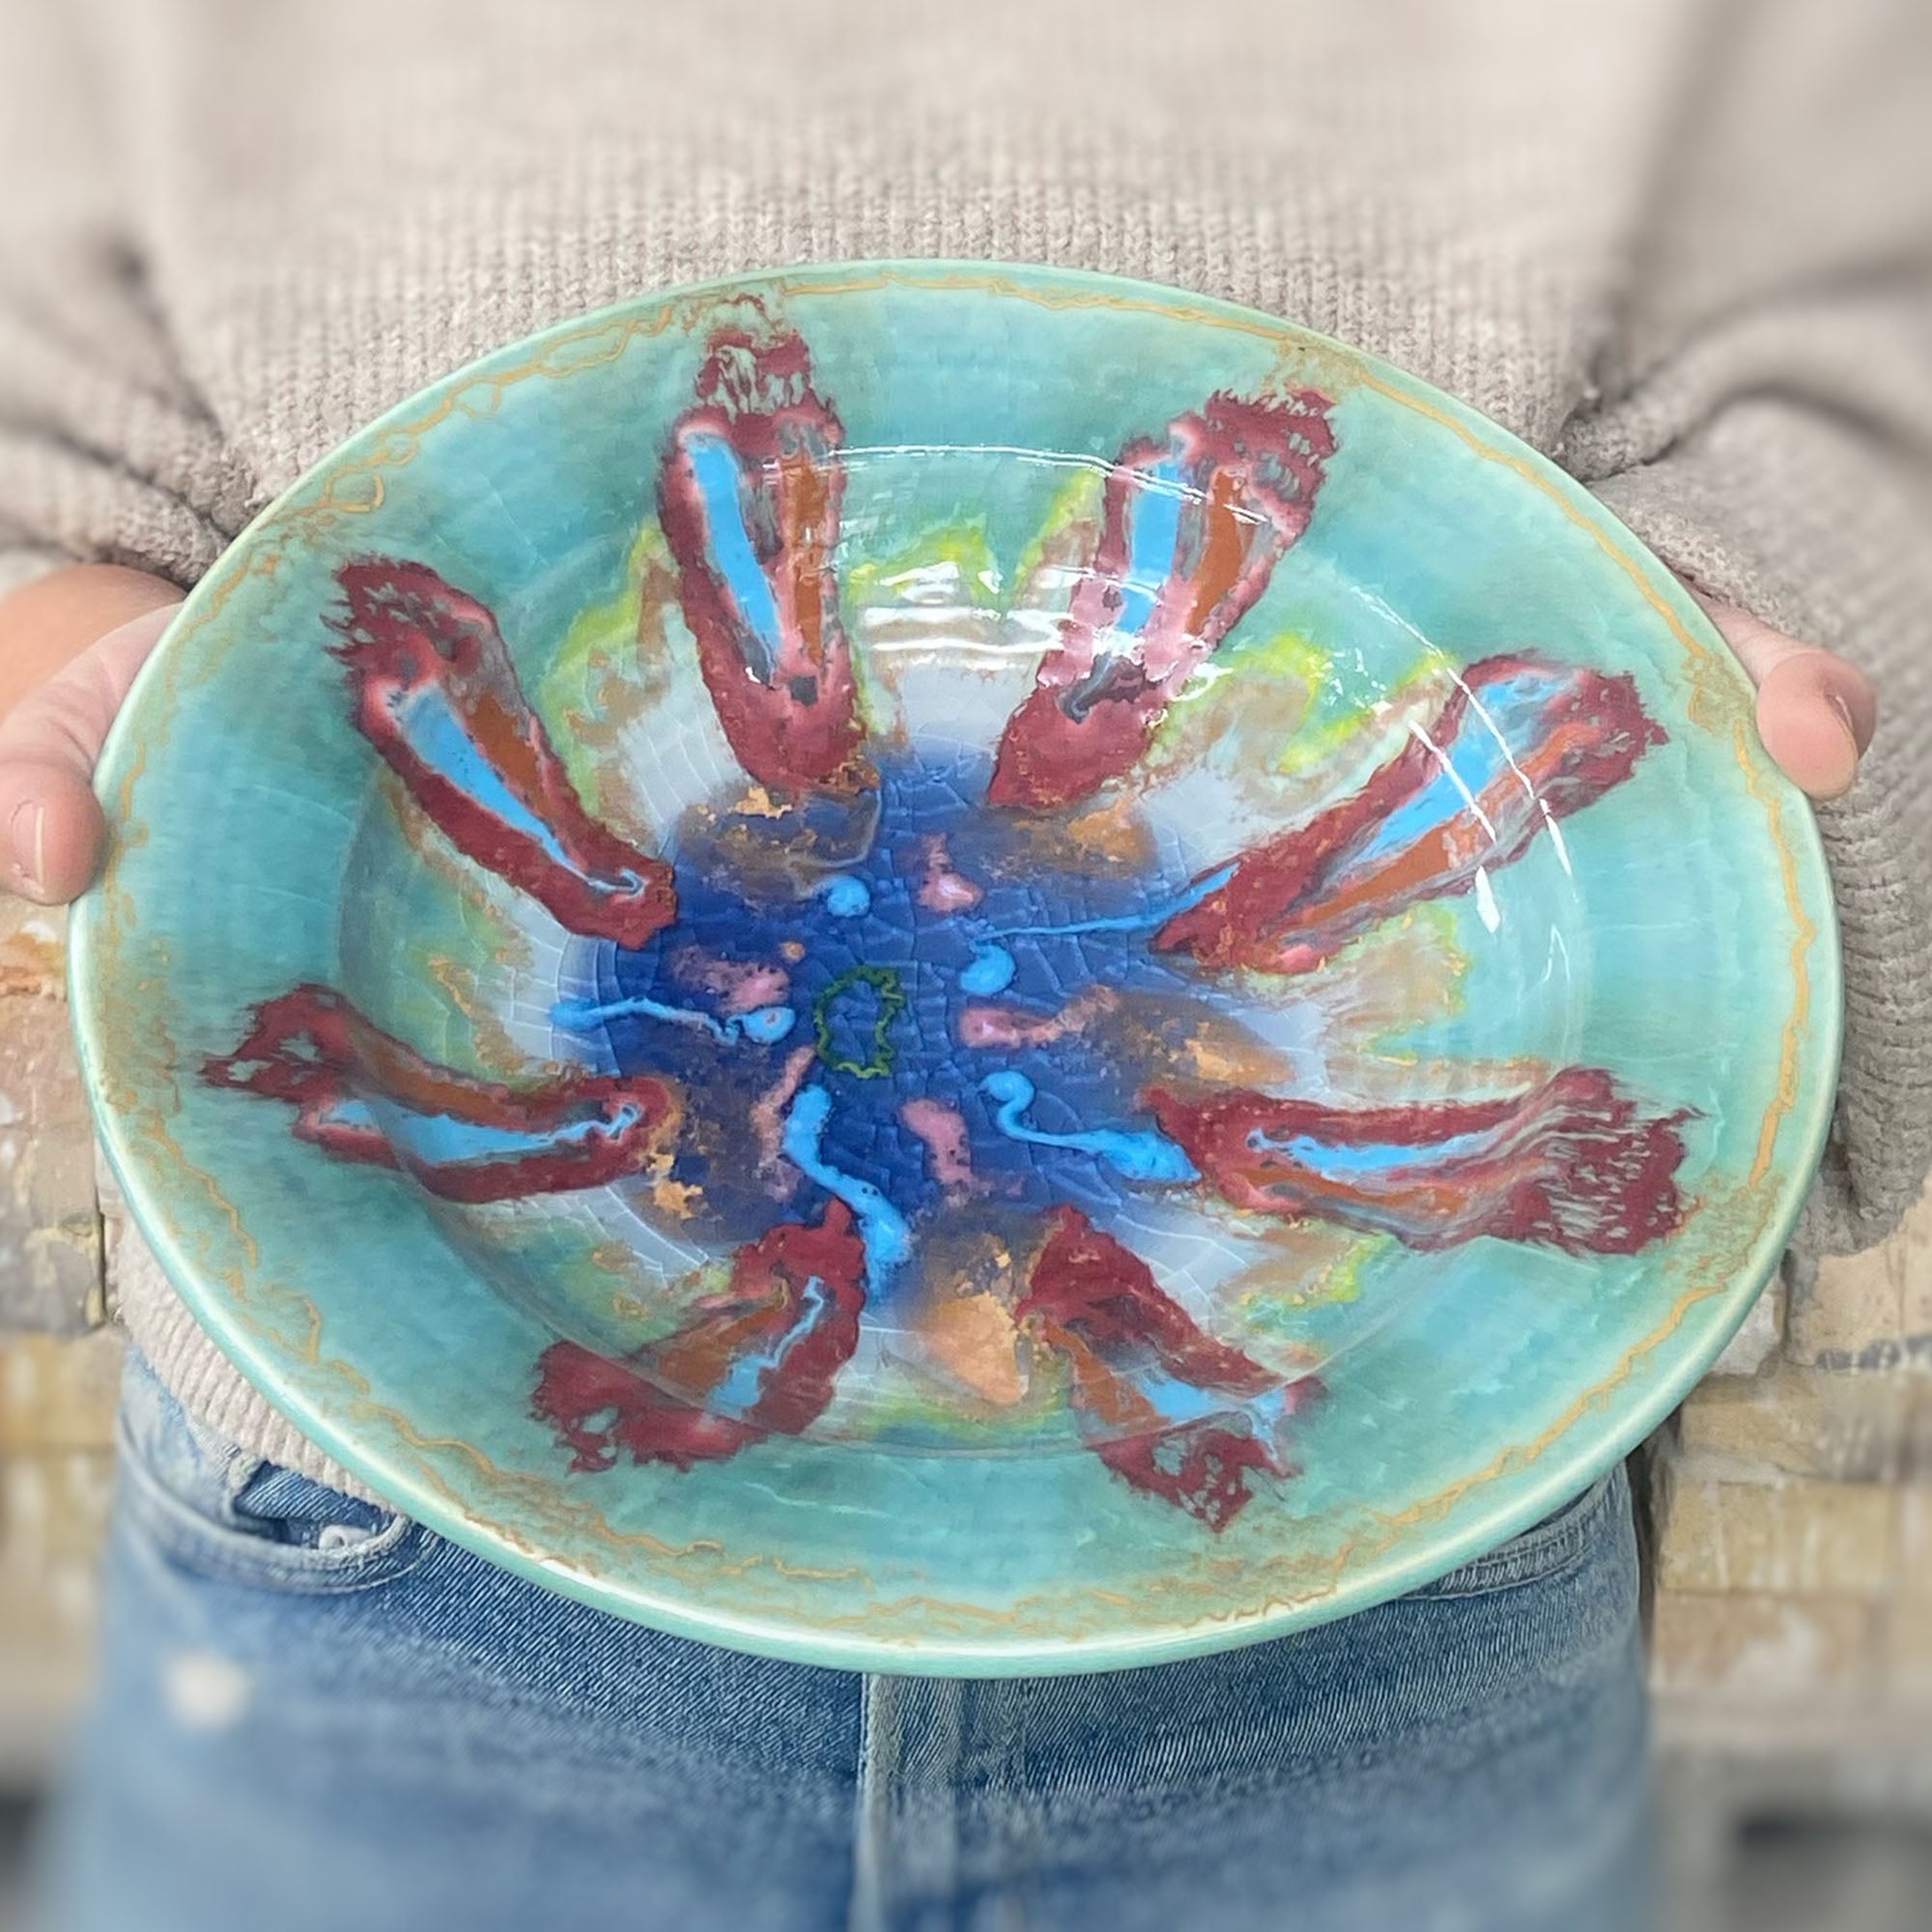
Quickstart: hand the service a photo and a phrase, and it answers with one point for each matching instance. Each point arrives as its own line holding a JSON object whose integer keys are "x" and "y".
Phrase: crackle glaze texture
{"x": 958, "y": 969}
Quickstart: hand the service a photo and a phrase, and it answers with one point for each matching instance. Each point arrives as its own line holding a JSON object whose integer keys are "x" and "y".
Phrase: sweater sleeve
{"x": 106, "y": 454}
{"x": 1763, "y": 419}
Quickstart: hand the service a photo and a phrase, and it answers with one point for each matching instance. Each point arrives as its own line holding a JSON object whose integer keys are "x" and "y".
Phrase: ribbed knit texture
{"x": 1685, "y": 248}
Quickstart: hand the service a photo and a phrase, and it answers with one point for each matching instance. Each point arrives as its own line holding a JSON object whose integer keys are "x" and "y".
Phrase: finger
{"x": 1816, "y": 714}
{"x": 52, "y": 620}
{"x": 50, "y": 824}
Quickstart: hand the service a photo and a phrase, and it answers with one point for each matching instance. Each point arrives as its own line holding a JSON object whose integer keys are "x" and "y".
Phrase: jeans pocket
{"x": 1553, "y": 1544}
{"x": 210, "y": 1507}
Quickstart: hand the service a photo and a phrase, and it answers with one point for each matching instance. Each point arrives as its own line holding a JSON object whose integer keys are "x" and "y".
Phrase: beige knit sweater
{"x": 1686, "y": 248}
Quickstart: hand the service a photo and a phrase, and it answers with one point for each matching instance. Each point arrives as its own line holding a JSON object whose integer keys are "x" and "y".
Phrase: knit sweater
{"x": 1683, "y": 247}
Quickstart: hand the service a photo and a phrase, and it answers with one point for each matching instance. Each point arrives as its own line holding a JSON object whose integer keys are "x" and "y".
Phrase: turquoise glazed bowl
{"x": 954, "y": 968}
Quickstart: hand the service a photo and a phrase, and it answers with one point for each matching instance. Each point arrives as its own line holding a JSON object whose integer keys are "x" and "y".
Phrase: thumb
{"x": 1816, "y": 714}
{"x": 51, "y": 828}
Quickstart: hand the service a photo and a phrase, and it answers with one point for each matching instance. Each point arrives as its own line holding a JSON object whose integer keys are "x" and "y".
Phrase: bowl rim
{"x": 1563, "y": 1469}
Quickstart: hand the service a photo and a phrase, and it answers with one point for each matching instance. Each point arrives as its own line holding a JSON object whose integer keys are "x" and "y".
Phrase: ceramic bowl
{"x": 955, "y": 968}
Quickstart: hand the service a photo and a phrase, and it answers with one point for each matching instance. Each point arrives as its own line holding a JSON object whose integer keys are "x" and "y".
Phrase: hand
{"x": 69, "y": 646}
{"x": 1815, "y": 713}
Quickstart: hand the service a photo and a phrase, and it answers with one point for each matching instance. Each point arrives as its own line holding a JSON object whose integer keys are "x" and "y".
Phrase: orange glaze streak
{"x": 1433, "y": 854}
{"x": 1448, "y": 847}
{"x": 695, "y": 1363}
{"x": 505, "y": 740}
{"x": 1222, "y": 555}
{"x": 1549, "y": 753}
{"x": 1104, "y": 1395}
{"x": 803, "y": 499}
{"x": 1438, "y": 1200}
{"x": 1801, "y": 938}
{"x": 413, "y": 1083}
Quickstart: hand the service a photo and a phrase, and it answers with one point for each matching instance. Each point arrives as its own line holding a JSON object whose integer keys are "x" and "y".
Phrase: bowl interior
{"x": 999, "y": 874}
{"x": 915, "y": 952}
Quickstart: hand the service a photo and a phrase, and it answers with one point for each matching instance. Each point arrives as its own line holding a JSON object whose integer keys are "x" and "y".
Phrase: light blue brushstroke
{"x": 1154, "y": 534}
{"x": 882, "y": 1228}
{"x": 435, "y": 734}
{"x": 767, "y": 1024}
{"x": 1486, "y": 746}
{"x": 714, "y": 466}
{"x": 845, "y": 897}
{"x": 739, "y": 1389}
{"x": 1371, "y": 1156}
{"x": 1177, "y": 1401}
{"x": 764, "y": 1026}
{"x": 991, "y": 970}
{"x": 434, "y": 1140}
{"x": 1133, "y": 921}
{"x": 1144, "y": 1155}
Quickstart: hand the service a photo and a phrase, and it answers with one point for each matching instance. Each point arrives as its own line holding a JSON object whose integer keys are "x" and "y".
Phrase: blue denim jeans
{"x": 314, "y": 1715}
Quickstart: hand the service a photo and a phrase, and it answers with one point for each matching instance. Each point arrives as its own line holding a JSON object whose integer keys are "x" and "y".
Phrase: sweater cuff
{"x": 1804, "y": 531}
{"x": 205, "y": 1383}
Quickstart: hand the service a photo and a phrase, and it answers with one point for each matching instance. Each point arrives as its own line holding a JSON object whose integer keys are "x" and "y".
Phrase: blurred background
{"x": 1787, "y": 1509}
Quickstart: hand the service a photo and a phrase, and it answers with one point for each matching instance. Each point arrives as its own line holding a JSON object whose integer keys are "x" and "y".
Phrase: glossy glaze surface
{"x": 955, "y": 968}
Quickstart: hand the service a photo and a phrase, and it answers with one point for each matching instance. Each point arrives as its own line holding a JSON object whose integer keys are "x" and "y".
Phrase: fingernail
{"x": 1849, "y": 774}
{"x": 28, "y": 830}
{"x": 1844, "y": 716}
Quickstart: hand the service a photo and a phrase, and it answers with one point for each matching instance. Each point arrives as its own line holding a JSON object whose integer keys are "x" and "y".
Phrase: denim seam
{"x": 231, "y": 1555}
{"x": 1542, "y": 1553}
{"x": 241, "y": 1470}
{"x": 872, "y": 1799}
